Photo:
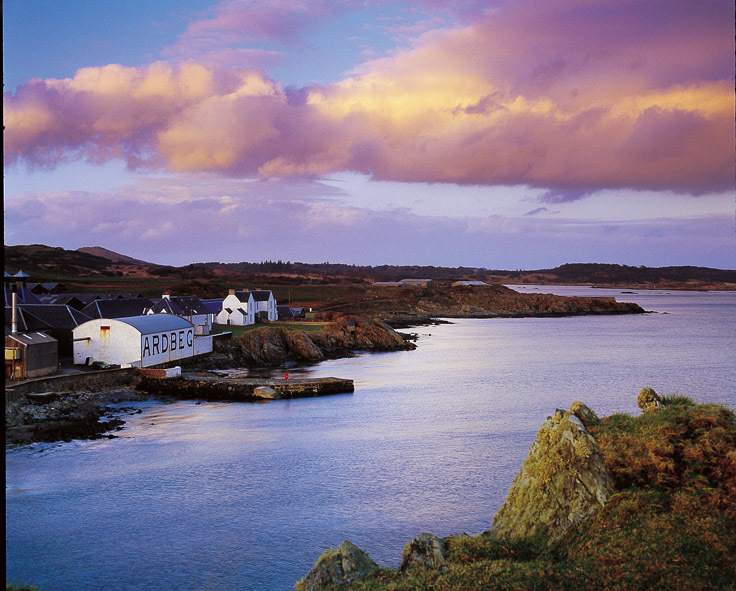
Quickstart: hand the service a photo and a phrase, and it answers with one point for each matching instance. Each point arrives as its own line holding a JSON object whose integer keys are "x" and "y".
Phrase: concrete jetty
{"x": 243, "y": 389}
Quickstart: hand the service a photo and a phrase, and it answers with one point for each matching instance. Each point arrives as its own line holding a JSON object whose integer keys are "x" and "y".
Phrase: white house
{"x": 140, "y": 341}
{"x": 266, "y": 308}
{"x": 188, "y": 307}
{"x": 238, "y": 309}
{"x": 242, "y": 308}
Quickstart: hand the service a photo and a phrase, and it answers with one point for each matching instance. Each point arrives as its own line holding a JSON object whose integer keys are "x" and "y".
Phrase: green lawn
{"x": 240, "y": 330}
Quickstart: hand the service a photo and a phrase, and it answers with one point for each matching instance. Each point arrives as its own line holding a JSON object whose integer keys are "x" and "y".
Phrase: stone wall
{"x": 243, "y": 389}
{"x": 78, "y": 382}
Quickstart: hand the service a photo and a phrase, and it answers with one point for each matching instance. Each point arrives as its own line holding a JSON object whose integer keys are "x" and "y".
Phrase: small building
{"x": 190, "y": 308}
{"x": 289, "y": 313}
{"x": 416, "y": 282}
{"x": 404, "y": 283}
{"x": 30, "y": 355}
{"x": 55, "y": 320}
{"x": 140, "y": 341}
{"x": 469, "y": 284}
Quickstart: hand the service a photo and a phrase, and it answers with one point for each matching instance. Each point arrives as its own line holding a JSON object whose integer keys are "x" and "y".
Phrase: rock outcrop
{"x": 359, "y": 334}
{"x": 649, "y": 401}
{"x": 62, "y": 416}
{"x": 341, "y": 565}
{"x": 425, "y": 550}
{"x": 487, "y": 302}
{"x": 270, "y": 346}
{"x": 274, "y": 346}
{"x": 563, "y": 480}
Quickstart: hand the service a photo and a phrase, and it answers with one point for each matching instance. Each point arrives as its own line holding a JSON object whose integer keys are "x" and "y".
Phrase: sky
{"x": 507, "y": 134}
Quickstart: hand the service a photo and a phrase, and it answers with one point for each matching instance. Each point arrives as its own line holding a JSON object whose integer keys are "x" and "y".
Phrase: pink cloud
{"x": 571, "y": 96}
{"x": 236, "y": 21}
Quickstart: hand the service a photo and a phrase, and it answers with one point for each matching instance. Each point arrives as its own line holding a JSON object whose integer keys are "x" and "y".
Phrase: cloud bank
{"x": 573, "y": 97}
{"x": 161, "y": 220}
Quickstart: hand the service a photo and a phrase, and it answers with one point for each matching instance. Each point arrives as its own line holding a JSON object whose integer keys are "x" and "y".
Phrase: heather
{"x": 668, "y": 525}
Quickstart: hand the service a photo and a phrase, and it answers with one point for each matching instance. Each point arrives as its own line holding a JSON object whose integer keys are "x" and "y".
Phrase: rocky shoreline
{"x": 85, "y": 414}
{"x": 407, "y": 306}
{"x": 64, "y": 416}
{"x": 270, "y": 347}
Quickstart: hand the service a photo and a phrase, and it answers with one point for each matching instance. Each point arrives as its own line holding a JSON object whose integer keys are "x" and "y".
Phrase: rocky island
{"x": 619, "y": 502}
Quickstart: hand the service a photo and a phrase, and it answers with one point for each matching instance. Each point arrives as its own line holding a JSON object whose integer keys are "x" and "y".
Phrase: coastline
{"x": 56, "y": 411}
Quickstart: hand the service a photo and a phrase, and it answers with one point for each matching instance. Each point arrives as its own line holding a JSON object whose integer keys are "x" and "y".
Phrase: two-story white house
{"x": 265, "y": 305}
{"x": 238, "y": 309}
{"x": 241, "y": 308}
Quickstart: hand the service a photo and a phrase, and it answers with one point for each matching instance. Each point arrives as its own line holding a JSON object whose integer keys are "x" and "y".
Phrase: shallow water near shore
{"x": 247, "y": 496}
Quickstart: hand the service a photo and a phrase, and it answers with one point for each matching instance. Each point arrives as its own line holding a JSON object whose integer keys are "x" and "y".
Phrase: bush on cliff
{"x": 671, "y": 524}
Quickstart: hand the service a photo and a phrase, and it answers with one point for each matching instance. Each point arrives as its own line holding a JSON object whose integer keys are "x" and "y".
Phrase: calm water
{"x": 247, "y": 496}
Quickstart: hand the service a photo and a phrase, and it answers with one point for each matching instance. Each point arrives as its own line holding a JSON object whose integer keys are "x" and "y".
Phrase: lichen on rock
{"x": 649, "y": 401}
{"x": 340, "y": 565}
{"x": 563, "y": 480}
{"x": 425, "y": 550}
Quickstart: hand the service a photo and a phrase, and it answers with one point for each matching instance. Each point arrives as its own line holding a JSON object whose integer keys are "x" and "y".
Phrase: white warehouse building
{"x": 140, "y": 341}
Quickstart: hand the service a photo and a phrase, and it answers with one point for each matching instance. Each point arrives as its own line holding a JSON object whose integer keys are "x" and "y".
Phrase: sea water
{"x": 247, "y": 496}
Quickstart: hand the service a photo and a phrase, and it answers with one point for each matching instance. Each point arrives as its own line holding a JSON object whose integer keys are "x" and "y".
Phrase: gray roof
{"x": 46, "y": 316}
{"x": 32, "y": 338}
{"x": 261, "y": 295}
{"x": 122, "y": 308}
{"x": 213, "y": 305}
{"x": 155, "y": 323}
{"x": 243, "y": 296}
{"x": 181, "y": 306}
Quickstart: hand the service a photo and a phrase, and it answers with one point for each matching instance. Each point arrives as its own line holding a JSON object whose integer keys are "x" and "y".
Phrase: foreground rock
{"x": 426, "y": 550}
{"x": 63, "y": 416}
{"x": 649, "y": 401}
{"x": 668, "y": 524}
{"x": 344, "y": 564}
{"x": 562, "y": 481}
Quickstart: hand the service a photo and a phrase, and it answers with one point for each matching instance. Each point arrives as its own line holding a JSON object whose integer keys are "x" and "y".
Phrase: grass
{"x": 238, "y": 331}
{"x": 671, "y": 525}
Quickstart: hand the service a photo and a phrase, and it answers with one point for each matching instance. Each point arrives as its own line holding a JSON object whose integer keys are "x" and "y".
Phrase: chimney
{"x": 165, "y": 296}
{"x": 14, "y": 313}
{"x": 231, "y": 292}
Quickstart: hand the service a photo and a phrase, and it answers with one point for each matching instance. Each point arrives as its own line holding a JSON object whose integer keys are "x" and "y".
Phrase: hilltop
{"x": 90, "y": 265}
{"x": 111, "y": 255}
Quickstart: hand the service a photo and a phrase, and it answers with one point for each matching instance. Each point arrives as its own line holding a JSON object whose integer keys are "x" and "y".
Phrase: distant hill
{"x": 49, "y": 263}
{"x": 115, "y": 257}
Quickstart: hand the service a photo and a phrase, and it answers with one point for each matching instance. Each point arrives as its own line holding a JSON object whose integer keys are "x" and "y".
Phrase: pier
{"x": 243, "y": 389}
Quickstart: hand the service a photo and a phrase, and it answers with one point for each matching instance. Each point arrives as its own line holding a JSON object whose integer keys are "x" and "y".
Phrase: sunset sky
{"x": 510, "y": 134}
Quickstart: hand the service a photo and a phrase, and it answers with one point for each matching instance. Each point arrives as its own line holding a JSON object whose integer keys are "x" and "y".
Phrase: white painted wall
{"x": 202, "y": 344}
{"x": 108, "y": 341}
{"x": 115, "y": 342}
{"x": 269, "y": 307}
{"x": 162, "y": 347}
{"x": 236, "y": 318}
